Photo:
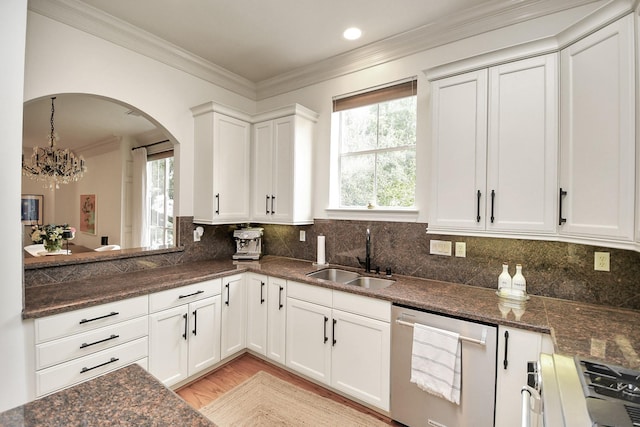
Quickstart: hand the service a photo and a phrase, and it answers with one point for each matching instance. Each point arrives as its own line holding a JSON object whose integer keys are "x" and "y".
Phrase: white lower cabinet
{"x": 266, "y": 316}
{"x": 276, "y": 319}
{"x": 349, "y": 351}
{"x": 516, "y": 347}
{"x": 76, "y": 346}
{"x": 234, "y": 315}
{"x": 185, "y": 339}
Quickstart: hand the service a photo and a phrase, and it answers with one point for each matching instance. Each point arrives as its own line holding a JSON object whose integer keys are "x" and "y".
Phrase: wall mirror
{"x": 101, "y": 206}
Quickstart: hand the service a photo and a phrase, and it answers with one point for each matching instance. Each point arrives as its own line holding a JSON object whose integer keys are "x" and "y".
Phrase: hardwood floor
{"x": 205, "y": 390}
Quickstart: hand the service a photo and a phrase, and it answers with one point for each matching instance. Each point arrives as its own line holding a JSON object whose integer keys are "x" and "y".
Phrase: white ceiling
{"x": 260, "y": 39}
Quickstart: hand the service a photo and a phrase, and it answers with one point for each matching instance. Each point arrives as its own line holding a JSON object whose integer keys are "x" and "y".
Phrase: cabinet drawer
{"x": 61, "y": 350}
{"x": 365, "y": 306}
{"x": 86, "y": 319}
{"x": 79, "y": 370}
{"x": 183, "y": 295}
{"x": 310, "y": 293}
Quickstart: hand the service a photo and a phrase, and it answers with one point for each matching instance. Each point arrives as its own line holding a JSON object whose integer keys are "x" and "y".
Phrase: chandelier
{"x": 52, "y": 165}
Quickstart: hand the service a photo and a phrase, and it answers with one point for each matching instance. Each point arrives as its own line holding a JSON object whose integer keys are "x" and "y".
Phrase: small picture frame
{"x": 88, "y": 213}
{"x": 31, "y": 209}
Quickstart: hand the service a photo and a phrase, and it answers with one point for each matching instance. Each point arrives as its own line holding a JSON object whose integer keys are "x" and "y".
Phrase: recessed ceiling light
{"x": 352, "y": 33}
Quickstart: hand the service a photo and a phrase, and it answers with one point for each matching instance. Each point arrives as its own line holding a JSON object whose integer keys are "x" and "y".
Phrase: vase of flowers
{"x": 51, "y": 235}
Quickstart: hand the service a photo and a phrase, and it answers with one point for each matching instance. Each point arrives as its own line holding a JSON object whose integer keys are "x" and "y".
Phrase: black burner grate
{"x": 634, "y": 414}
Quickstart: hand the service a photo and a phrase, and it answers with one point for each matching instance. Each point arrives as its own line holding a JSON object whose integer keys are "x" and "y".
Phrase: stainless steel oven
{"x": 578, "y": 392}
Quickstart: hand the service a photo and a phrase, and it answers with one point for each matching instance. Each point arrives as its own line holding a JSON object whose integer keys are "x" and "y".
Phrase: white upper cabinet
{"x": 523, "y": 146}
{"x": 597, "y": 159}
{"x": 494, "y": 157}
{"x": 282, "y": 168}
{"x": 459, "y": 141}
{"x": 221, "y": 165}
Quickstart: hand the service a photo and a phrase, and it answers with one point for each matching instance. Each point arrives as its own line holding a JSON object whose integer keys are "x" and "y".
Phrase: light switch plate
{"x": 461, "y": 249}
{"x": 440, "y": 247}
{"x": 303, "y": 236}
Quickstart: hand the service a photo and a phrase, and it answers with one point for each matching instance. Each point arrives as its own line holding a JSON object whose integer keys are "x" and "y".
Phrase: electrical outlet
{"x": 440, "y": 247}
{"x": 601, "y": 261}
{"x": 303, "y": 236}
{"x": 461, "y": 249}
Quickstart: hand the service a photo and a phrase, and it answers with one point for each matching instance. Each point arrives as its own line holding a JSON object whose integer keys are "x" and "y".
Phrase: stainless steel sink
{"x": 370, "y": 282}
{"x": 334, "y": 275}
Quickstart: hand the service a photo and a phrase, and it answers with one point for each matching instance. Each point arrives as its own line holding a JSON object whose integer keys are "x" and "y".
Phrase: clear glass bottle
{"x": 504, "y": 280}
{"x": 518, "y": 283}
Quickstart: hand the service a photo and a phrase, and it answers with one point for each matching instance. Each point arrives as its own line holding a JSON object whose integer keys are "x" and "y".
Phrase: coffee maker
{"x": 248, "y": 243}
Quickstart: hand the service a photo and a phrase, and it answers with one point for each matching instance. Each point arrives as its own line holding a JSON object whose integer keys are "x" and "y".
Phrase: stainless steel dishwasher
{"x": 414, "y": 407}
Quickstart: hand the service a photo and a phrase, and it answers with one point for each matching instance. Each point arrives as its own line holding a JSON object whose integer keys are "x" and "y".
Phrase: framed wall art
{"x": 31, "y": 209}
{"x": 88, "y": 213}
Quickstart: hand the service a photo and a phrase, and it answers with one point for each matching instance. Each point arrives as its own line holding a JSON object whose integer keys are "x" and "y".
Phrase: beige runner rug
{"x": 264, "y": 400}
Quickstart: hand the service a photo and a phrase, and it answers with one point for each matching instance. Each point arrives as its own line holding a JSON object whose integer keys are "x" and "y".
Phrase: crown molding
{"x": 478, "y": 20}
{"x": 100, "y": 24}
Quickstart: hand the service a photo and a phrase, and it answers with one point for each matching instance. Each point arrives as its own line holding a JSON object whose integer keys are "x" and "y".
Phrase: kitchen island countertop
{"x": 601, "y": 332}
{"x": 128, "y": 396}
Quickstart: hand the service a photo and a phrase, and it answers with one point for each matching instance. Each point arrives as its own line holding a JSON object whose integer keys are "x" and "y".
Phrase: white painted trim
{"x": 377, "y": 214}
{"x": 475, "y": 21}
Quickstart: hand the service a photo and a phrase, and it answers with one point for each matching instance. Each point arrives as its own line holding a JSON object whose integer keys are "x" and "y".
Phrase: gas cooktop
{"x": 612, "y": 393}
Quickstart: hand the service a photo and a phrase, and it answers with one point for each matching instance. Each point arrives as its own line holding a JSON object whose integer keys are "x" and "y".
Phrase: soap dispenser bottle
{"x": 519, "y": 284}
{"x": 504, "y": 280}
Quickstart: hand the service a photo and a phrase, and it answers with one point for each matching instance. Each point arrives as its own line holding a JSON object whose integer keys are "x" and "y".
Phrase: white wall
{"x": 14, "y": 390}
{"x": 61, "y": 59}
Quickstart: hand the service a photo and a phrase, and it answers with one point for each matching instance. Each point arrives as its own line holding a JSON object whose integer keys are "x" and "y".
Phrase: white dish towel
{"x": 436, "y": 361}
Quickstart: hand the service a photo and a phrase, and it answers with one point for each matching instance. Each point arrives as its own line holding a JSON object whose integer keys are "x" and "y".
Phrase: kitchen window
{"x": 160, "y": 196}
{"x": 376, "y": 144}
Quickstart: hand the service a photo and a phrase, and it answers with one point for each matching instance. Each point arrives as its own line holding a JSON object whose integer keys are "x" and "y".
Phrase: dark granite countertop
{"x": 128, "y": 396}
{"x": 598, "y": 332}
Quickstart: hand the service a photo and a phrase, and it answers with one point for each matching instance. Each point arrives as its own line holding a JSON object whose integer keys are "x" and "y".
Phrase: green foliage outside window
{"x": 378, "y": 154}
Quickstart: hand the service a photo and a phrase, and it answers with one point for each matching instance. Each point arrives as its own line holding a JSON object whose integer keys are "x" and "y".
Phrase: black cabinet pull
{"x": 267, "y": 205}
{"x": 280, "y": 298}
{"x": 493, "y": 199}
{"x": 218, "y": 204}
{"x": 261, "y": 295}
{"x": 326, "y": 338}
{"x": 112, "y": 337}
{"x": 184, "y": 316}
{"x": 333, "y": 331}
{"x": 190, "y": 295}
{"x": 562, "y": 194}
{"x": 273, "y": 209}
{"x": 479, "y": 194}
{"x": 113, "y": 313}
{"x": 112, "y": 360}
{"x": 227, "y": 301}
{"x": 195, "y": 322}
{"x": 505, "y": 362}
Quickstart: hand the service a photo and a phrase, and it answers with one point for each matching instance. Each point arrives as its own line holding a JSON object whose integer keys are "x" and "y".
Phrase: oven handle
{"x": 527, "y": 392}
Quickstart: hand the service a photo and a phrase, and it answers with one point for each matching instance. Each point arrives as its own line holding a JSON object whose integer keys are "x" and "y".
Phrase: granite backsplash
{"x": 554, "y": 269}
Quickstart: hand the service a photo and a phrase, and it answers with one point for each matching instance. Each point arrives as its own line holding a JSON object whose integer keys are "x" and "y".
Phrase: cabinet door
{"x": 262, "y": 152}
{"x": 522, "y": 146}
{"x": 168, "y": 348}
{"x": 276, "y": 319}
{"x": 360, "y": 363}
{"x": 233, "y": 334}
{"x": 515, "y": 348}
{"x": 459, "y": 136}
{"x": 597, "y": 139}
{"x": 308, "y": 334}
{"x": 231, "y": 174}
{"x": 257, "y": 298}
{"x": 204, "y": 334}
{"x": 282, "y": 167}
